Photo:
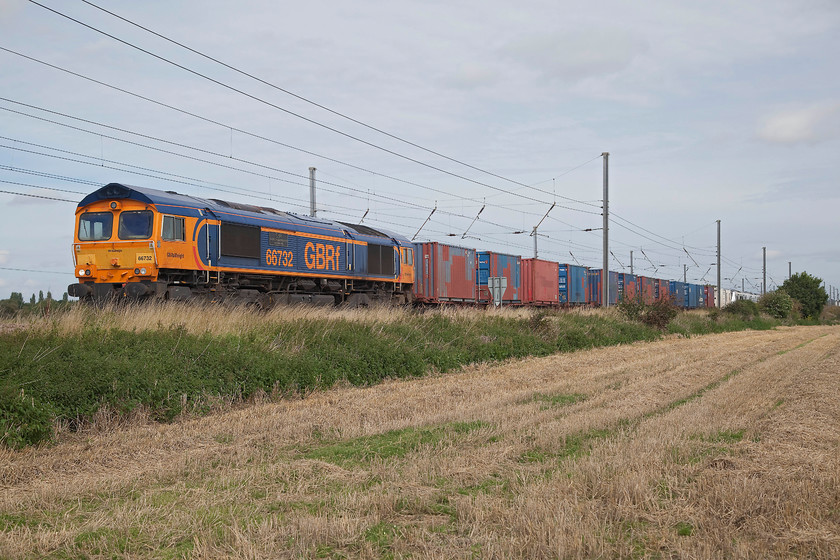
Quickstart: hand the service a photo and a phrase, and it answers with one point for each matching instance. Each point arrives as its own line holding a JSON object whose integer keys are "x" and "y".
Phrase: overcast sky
{"x": 710, "y": 111}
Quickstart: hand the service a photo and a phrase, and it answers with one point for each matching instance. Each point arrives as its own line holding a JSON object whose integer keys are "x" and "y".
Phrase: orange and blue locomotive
{"x": 144, "y": 243}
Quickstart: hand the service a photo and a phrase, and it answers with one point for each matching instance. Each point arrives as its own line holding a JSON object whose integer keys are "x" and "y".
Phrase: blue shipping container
{"x": 677, "y": 291}
{"x": 497, "y": 264}
{"x": 694, "y": 296}
{"x": 594, "y": 287}
{"x": 573, "y": 283}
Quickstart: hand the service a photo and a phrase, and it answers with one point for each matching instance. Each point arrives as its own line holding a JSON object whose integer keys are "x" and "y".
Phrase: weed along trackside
{"x": 162, "y": 361}
{"x": 717, "y": 446}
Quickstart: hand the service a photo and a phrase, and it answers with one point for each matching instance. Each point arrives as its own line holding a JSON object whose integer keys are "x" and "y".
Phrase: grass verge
{"x": 169, "y": 360}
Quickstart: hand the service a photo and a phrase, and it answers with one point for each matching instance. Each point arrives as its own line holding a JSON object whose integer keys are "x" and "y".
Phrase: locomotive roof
{"x": 171, "y": 201}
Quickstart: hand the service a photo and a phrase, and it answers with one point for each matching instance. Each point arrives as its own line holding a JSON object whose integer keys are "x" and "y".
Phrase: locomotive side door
{"x": 207, "y": 239}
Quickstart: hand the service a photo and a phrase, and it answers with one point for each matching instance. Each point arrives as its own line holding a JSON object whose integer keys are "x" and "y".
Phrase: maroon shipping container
{"x": 539, "y": 282}
{"x": 444, "y": 273}
{"x": 709, "y": 293}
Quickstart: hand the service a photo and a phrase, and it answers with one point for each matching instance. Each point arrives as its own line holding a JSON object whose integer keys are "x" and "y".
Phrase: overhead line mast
{"x": 605, "y": 271}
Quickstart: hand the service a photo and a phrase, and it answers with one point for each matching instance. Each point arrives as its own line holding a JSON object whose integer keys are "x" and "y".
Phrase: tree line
{"x": 18, "y": 304}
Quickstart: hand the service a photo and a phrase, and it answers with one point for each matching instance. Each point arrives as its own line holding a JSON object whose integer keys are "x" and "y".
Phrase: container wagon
{"x": 444, "y": 273}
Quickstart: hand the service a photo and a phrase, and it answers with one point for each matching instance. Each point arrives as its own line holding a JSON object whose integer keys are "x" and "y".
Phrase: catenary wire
{"x": 287, "y": 111}
{"x": 338, "y": 113}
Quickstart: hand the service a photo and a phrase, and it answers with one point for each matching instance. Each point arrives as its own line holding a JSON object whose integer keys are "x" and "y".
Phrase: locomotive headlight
{"x": 87, "y": 272}
{"x": 81, "y": 272}
{"x": 142, "y": 271}
{"x": 136, "y": 271}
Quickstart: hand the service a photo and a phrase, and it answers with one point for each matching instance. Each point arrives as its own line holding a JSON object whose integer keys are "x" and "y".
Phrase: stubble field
{"x": 720, "y": 446}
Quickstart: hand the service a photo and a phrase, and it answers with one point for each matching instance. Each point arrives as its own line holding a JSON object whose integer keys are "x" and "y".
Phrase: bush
{"x": 659, "y": 314}
{"x": 656, "y": 315}
{"x": 831, "y": 315}
{"x": 743, "y": 308}
{"x": 23, "y": 420}
{"x": 776, "y": 304}
{"x": 632, "y": 308}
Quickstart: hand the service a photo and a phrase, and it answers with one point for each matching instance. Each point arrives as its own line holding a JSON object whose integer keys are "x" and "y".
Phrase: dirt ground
{"x": 722, "y": 446}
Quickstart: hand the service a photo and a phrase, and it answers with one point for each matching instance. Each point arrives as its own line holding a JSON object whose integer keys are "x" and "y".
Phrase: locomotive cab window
{"x": 173, "y": 228}
{"x": 408, "y": 256}
{"x": 135, "y": 224}
{"x": 95, "y": 226}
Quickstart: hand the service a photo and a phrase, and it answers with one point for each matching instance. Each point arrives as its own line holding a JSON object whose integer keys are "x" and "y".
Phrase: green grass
{"x": 684, "y": 529}
{"x": 389, "y": 445}
{"x": 47, "y": 374}
{"x": 572, "y": 446}
{"x": 548, "y": 401}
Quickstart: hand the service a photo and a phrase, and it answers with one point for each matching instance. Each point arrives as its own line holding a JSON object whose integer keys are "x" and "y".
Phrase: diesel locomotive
{"x": 139, "y": 243}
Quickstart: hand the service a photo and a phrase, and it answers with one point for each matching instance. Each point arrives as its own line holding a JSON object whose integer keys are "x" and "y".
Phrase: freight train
{"x": 139, "y": 243}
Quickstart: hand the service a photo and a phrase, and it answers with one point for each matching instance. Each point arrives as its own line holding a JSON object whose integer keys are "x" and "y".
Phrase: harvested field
{"x": 722, "y": 446}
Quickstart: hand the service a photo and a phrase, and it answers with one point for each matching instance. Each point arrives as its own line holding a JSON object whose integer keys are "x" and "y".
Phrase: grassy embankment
{"x": 162, "y": 361}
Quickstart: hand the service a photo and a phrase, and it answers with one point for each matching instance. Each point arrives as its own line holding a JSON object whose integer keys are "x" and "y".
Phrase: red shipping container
{"x": 664, "y": 289}
{"x": 444, "y": 273}
{"x": 647, "y": 289}
{"x": 539, "y": 282}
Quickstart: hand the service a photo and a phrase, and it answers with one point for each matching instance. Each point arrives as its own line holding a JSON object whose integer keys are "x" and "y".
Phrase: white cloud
{"x": 801, "y": 125}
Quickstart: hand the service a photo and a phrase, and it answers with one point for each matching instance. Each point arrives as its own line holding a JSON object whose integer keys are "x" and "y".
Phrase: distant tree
{"x": 64, "y": 297}
{"x": 17, "y": 299}
{"x": 7, "y": 308}
{"x": 40, "y": 296}
{"x": 808, "y": 291}
{"x": 32, "y": 299}
{"x": 49, "y": 295}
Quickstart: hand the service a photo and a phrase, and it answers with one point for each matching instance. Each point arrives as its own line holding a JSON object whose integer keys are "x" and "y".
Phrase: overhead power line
{"x": 69, "y": 273}
{"x": 333, "y": 111}
{"x": 363, "y": 124}
{"x": 283, "y": 109}
{"x": 32, "y": 195}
